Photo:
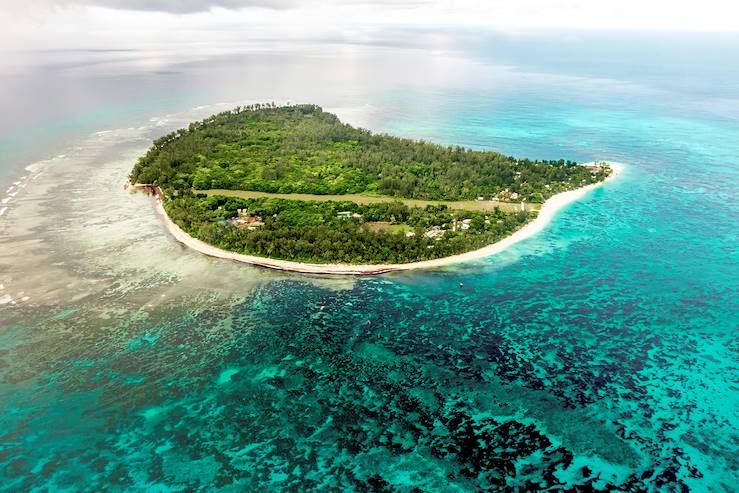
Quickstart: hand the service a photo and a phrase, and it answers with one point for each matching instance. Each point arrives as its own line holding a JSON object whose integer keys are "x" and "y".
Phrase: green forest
{"x": 302, "y": 149}
{"x": 323, "y": 232}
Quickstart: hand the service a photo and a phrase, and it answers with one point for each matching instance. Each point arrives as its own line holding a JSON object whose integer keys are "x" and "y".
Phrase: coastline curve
{"x": 547, "y": 212}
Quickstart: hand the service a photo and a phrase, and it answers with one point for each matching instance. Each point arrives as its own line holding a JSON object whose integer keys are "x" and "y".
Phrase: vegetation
{"x": 338, "y": 232}
{"x": 302, "y": 149}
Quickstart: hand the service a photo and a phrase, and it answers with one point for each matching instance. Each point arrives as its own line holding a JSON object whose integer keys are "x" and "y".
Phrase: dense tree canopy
{"x": 339, "y": 232}
{"x": 302, "y": 149}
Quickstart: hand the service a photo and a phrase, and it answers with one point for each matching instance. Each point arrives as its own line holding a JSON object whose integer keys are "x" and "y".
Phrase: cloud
{"x": 31, "y": 24}
{"x": 188, "y": 6}
{"x": 170, "y": 6}
{"x": 194, "y": 6}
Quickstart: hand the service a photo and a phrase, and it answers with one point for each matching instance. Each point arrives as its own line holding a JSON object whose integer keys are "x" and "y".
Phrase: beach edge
{"x": 546, "y": 214}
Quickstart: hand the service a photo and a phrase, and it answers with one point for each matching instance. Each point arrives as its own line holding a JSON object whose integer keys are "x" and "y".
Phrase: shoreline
{"x": 547, "y": 212}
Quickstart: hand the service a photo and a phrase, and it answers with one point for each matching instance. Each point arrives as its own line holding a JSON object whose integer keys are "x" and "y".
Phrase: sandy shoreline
{"x": 546, "y": 214}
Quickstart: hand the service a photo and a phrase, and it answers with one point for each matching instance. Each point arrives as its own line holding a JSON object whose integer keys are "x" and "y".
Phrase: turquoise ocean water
{"x": 600, "y": 355}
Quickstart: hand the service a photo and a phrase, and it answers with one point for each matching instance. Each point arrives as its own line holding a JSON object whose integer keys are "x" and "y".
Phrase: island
{"x": 294, "y": 188}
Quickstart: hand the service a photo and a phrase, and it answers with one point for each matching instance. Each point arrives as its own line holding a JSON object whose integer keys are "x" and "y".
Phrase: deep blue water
{"x": 599, "y": 355}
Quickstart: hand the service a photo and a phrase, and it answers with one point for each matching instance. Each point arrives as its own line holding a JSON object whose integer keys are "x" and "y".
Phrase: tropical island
{"x": 293, "y": 187}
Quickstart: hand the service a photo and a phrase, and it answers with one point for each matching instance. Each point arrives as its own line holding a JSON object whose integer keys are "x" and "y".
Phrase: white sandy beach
{"x": 546, "y": 214}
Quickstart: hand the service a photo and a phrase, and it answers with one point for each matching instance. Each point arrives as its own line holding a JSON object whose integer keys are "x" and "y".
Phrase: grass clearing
{"x": 387, "y": 226}
{"x": 467, "y": 205}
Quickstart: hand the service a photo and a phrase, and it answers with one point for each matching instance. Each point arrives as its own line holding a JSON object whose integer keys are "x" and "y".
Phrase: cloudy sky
{"x": 31, "y": 24}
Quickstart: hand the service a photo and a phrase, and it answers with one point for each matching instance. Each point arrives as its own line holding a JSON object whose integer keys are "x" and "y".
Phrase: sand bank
{"x": 546, "y": 214}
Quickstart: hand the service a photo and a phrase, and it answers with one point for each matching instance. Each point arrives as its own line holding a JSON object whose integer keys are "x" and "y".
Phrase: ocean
{"x": 601, "y": 354}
